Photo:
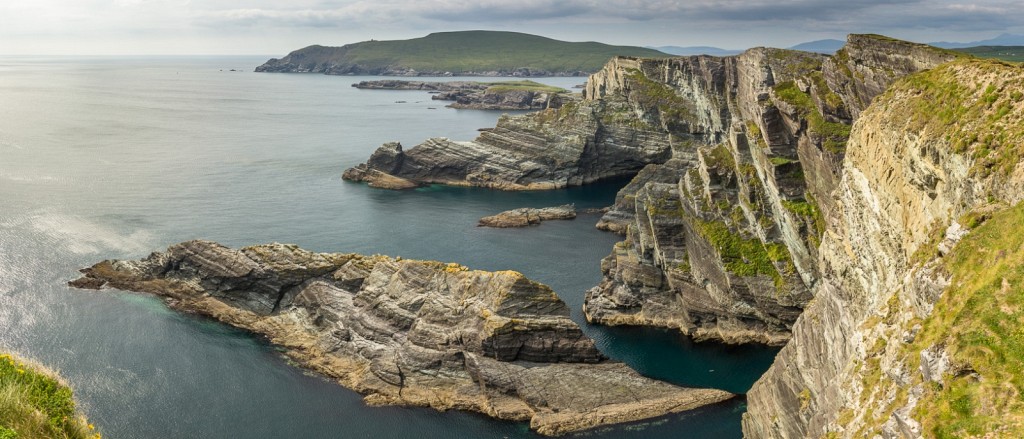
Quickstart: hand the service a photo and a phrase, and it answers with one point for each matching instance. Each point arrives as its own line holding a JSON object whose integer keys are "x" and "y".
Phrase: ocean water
{"x": 118, "y": 157}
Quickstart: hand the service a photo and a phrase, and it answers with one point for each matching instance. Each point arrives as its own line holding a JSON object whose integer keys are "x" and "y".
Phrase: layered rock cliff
{"x": 735, "y": 161}
{"x": 409, "y": 332}
{"x": 766, "y": 203}
{"x": 914, "y": 326}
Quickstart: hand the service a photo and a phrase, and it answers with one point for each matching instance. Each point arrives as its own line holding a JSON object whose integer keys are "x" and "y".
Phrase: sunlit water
{"x": 115, "y": 158}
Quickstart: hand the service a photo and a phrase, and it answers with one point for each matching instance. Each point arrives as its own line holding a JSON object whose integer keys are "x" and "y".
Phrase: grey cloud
{"x": 809, "y": 15}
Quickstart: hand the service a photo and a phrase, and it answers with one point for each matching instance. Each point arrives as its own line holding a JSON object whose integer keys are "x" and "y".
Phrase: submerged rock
{"x": 410, "y": 332}
{"x": 527, "y": 216}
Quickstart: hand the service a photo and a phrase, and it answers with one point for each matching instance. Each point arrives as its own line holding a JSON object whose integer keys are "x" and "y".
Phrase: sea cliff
{"x": 734, "y": 158}
{"x": 864, "y": 209}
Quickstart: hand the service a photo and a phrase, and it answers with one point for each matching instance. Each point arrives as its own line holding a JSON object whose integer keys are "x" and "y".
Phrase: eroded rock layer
{"x": 409, "y": 332}
{"x": 735, "y": 161}
{"x": 910, "y": 333}
{"x": 528, "y": 216}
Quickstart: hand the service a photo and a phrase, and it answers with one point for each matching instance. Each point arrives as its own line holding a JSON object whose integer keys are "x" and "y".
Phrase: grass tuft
{"x": 36, "y": 404}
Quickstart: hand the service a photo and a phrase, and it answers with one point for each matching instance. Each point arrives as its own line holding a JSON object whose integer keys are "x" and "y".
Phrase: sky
{"x": 266, "y": 27}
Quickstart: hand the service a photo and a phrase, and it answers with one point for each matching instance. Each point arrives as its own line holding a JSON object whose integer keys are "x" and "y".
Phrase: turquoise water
{"x": 114, "y": 158}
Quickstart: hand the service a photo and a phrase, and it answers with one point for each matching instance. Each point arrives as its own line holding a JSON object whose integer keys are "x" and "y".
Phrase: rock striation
{"x": 891, "y": 345}
{"x": 735, "y": 160}
{"x": 527, "y": 216}
{"x": 409, "y": 332}
{"x": 522, "y": 96}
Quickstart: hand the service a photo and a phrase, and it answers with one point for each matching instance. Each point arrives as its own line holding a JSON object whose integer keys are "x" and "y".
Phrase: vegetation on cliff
{"x": 36, "y": 404}
{"x": 978, "y": 320}
{"x": 458, "y": 53}
{"x": 833, "y": 135}
{"x": 982, "y": 118}
{"x": 972, "y": 342}
{"x": 524, "y": 85}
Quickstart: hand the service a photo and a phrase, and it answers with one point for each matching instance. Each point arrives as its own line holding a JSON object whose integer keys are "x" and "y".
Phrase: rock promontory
{"x": 462, "y": 53}
{"x": 409, "y": 332}
{"x": 503, "y": 95}
{"x": 528, "y": 216}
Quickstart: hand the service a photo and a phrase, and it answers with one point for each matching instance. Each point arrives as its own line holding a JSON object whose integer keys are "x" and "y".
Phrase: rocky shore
{"x": 408, "y": 332}
{"x": 521, "y": 96}
{"x": 527, "y": 216}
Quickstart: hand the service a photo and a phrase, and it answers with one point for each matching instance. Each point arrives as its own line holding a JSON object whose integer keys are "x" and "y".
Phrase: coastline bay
{"x": 114, "y": 158}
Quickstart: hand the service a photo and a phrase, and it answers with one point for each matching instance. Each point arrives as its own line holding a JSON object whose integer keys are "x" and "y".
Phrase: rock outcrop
{"x": 409, "y": 332}
{"x": 521, "y": 96}
{"x": 735, "y": 160}
{"x": 907, "y": 333}
{"x": 528, "y": 216}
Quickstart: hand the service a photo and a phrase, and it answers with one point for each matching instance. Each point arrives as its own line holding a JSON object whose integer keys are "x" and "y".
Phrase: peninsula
{"x": 500, "y": 95}
{"x": 464, "y": 53}
{"x": 409, "y": 332}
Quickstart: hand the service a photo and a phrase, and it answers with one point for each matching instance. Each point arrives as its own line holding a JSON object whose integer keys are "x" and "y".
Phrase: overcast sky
{"x": 265, "y": 27}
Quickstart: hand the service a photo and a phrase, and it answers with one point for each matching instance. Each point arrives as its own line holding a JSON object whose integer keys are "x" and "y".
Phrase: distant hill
{"x": 695, "y": 50}
{"x": 1005, "y": 53}
{"x": 1001, "y": 40}
{"x": 466, "y": 53}
{"x": 827, "y": 47}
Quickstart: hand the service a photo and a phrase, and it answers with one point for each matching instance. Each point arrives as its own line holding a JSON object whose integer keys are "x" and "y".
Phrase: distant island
{"x": 465, "y": 53}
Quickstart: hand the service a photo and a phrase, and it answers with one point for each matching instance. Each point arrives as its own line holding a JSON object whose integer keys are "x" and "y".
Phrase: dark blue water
{"x": 115, "y": 158}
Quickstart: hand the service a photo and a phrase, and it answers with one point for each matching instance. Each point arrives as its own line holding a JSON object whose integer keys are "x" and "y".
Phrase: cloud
{"x": 809, "y": 14}
{"x": 274, "y": 25}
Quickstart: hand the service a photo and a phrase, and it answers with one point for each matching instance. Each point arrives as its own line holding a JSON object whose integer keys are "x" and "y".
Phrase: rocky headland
{"x": 528, "y": 216}
{"x": 734, "y": 160}
{"x": 462, "y": 53}
{"x": 409, "y": 332}
{"x": 509, "y": 95}
{"x": 858, "y": 208}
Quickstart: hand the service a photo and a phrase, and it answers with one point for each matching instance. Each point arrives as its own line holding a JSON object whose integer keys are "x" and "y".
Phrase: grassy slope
{"x": 478, "y": 51}
{"x": 35, "y": 404}
{"x": 979, "y": 320}
{"x": 505, "y": 86}
{"x": 1005, "y": 53}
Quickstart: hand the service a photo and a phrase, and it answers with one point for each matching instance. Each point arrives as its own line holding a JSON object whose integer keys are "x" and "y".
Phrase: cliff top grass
{"x": 36, "y": 404}
{"x": 976, "y": 105}
{"x": 928, "y": 47}
{"x": 978, "y": 320}
{"x": 525, "y": 85}
{"x": 477, "y": 51}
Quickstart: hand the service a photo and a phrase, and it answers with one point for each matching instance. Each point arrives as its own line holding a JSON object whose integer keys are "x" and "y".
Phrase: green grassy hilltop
{"x": 466, "y": 52}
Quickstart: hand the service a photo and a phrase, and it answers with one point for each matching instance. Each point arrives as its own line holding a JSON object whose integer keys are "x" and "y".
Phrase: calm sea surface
{"x": 118, "y": 157}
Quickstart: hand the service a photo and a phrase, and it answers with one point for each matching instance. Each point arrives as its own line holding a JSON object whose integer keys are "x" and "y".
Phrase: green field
{"x": 472, "y": 51}
{"x": 1005, "y": 53}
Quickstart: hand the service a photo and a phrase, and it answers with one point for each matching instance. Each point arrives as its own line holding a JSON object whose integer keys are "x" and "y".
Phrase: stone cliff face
{"x": 409, "y": 332}
{"x": 722, "y": 240}
{"x": 551, "y": 149}
{"x": 891, "y": 345}
{"x": 735, "y": 160}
